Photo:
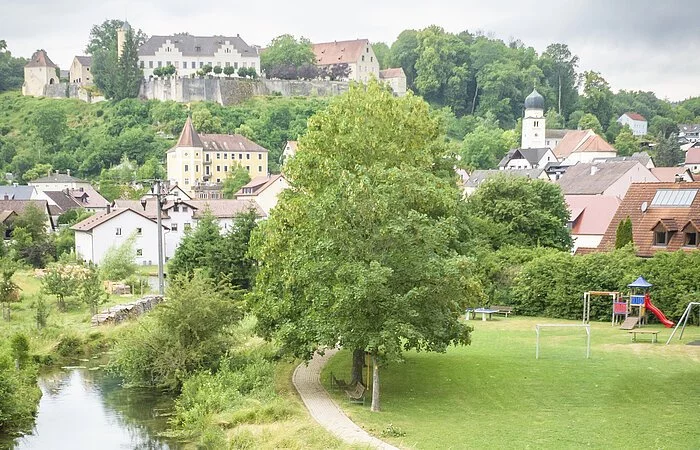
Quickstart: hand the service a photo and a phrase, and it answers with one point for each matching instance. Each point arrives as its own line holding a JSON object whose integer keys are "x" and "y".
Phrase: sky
{"x": 647, "y": 45}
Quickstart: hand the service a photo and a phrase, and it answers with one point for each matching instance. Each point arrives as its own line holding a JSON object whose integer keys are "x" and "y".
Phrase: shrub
{"x": 69, "y": 345}
{"x": 19, "y": 394}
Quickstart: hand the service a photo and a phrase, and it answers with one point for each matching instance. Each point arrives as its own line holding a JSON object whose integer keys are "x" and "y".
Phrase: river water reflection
{"x": 85, "y": 409}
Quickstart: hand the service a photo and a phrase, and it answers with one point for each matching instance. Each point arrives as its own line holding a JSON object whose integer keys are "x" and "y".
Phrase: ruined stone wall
{"x": 127, "y": 311}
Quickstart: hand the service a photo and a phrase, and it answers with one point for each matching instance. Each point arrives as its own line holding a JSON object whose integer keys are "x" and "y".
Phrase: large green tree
{"x": 559, "y": 66}
{"x": 11, "y": 69}
{"x": 359, "y": 252}
{"x": 668, "y": 152}
{"x": 522, "y": 212}
{"x": 118, "y": 76}
{"x": 597, "y": 96}
{"x": 286, "y": 50}
{"x": 383, "y": 54}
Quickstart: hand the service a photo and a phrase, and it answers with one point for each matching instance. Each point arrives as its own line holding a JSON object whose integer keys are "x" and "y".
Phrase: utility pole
{"x": 161, "y": 200}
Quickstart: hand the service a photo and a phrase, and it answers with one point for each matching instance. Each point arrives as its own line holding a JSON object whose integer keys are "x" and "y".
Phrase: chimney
{"x": 594, "y": 170}
{"x": 109, "y": 208}
{"x": 678, "y": 178}
{"x": 6, "y": 197}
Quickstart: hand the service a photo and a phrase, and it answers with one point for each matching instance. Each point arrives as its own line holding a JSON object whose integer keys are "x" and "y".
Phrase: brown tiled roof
{"x": 668, "y": 174}
{"x": 593, "y": 178}
{"x": 18, "y": 206}
{"x": 88, "y": 197}
{"x": 188, "y": 136}
{"x": 635, "y": 116}
{"x": 151, "y": 209}
{"x": 98, "y": 219}
{"x": 643, "y": 222}
{"x": 581, "y": 141}
{"x": 225, "y": 209}
{"x": 396, "y": 72}
{"x": 40, "y": 59}
{"x": 4, "y": 215}
{"x": 669, "y": 224}
{"x": 555, "y": 134}
{"x": 591, "y": 214}
{"x": 230, "y": 142}
{"x": 64, "y": 201}
{"x": 339, "y": 51}
{"x": 258, "y": 184}
{"x": 692, "y": 156}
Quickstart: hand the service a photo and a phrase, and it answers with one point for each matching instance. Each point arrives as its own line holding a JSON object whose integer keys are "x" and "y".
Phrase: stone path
{"x": 307, "y": 381}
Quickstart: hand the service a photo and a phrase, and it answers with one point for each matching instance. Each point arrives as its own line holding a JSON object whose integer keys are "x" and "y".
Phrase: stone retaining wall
{"x": 119, "y": 313}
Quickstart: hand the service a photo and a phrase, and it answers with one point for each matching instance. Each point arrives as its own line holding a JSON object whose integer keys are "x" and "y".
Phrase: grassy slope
{"x": 495, "y": 394}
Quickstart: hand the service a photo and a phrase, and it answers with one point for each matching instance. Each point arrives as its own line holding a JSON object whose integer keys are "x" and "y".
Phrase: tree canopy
{"x": 11, "y": 69}
{"x": 359, "y": 252}
{"x": 287, "y": 51}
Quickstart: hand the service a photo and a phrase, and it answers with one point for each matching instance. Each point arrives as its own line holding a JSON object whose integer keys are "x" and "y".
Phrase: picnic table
{"x": 654, "y": 335}
{"x": 483, "y": 311}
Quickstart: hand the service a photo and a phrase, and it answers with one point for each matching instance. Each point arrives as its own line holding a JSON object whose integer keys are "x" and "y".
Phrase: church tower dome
{"x": 534, "y": 100}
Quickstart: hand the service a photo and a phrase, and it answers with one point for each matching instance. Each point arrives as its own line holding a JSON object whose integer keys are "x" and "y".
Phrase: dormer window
{"x": 690, "y": 235}
{"x": 663, "y": 231}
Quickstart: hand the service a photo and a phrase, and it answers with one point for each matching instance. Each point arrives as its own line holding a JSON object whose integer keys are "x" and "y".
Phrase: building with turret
{"x": 200, "y": 163}
{"x": 39, "y": 72}
{"x": 533, "y": 135}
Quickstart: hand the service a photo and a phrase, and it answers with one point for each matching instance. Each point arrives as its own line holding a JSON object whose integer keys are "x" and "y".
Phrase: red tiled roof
{"x": 581, "y": 141}
{"x": 392, "y": 73}
{"x": 339, "y": 51}
{"x": 40, "y": 59}
{"x": 230, "y": 142}
{"x": 692, "y": 156}
{"x": 258, "y": 185}
{"x": 668, "y": 174}
{"x": 635, "y": 116}
{"x": 643, "y": 222}
{"x": 189, "y": 137}
{"x": 591, "y": 214}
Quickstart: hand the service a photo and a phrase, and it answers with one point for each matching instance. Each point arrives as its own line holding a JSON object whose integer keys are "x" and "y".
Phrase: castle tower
{"x": 121, "y": 38}
{"x": 533, "y": 121}
{"x": 39, "y": 72}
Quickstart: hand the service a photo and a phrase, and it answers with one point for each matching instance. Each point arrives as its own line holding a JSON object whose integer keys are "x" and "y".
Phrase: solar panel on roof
{"x": 674, "y": 197}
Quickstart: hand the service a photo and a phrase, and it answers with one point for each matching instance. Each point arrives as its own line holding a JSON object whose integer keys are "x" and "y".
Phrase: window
{"x": 198, "y": 49}
{"x": 218, "y": 180}
{"x": 674, "y": 197}
{"x": 371, "y": 59}
{"x": 176, "y": 208}
{"x": 150, "y": 64}
{"x": 228, "y": 64}
{"x": 691, "y": 238}
{"x": 247, "y": 156}
{"x": 218, "y": 156}
{"x": 188, "y": 226}
{"x": 118, "y": 232}
{"x": 139, "y": 252}
{"x": 225, "y": 155}
{"x": 218, "y": 168}
{"x": 142, "y": 64}
{"x": 196, "y": 167}
{"x": 139, "y": 231}
{"x": 187, "y": 181}
{"x": 168, "y": 63}
{"x": 259, "y": 155}
{"x": 201, "y": 64}
{"x": 187, "y": 168}
{"x": 185, "y": 209}
{"x": 243, "y": 64}
{"x": 240, "y": 156}
{"x": 160, "y": 63}
{"x": 363, "y": 58}
{"x": 660, "y": 237}
{"x": 225, "y": 168}
{"x": 247, "y": 168}
{"x": 206, "y": 156}
{"x": 259, "y": 168}
{"x": 206, "y": 170}
{"x": 235, "y": 65}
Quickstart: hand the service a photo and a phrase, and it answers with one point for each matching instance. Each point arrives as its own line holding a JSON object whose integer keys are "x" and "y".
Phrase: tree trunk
{"x": 375, "y": 383}
{"x": 476, "y": 91}
{"x": 559, "y": 99}
{"x": 358, "y": 365}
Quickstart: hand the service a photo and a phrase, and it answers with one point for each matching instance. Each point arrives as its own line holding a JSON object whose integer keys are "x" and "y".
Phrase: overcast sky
{"x": 637, "y": 45}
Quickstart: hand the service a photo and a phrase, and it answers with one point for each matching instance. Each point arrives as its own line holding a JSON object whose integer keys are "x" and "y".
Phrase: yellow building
{"x": 207, "y": 159}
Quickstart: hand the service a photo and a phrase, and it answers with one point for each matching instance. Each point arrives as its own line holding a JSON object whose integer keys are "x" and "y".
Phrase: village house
{"x": 692, "y": 159}
{"x": 477, "y": 177}
{"x": 609, "y": 179}
{"x": 583, "y": 146}
{"x": 81, "y": 190}
{"x": 39, "y": 72}
{"x": 396, "y": 79}
{"x": 689, "y": 132}
{"x": 357, "y": 54}
{"x": 664, "y": 217}
{"x": 636, "y": 122}
{"x": 672, "y": 174}
{"x": 11, "y": 209}
{"x": 290, "y": 149}
{"x": 264, "y": 191}
{"x": 552, "y": 138}
{"x": 527, "y": 158}
{"x": 590, "y": 217}
{"x": 189, "y": 54}
{"x": 98, "y": 234}
{"x": 198, "y": 160}
{"x": 80, "y": 70}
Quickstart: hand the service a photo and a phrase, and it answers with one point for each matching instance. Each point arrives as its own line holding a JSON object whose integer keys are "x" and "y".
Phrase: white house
{"x": 396, "y": 79}
{"x": 583, "y": 146}
{"x": 636, "y": 122}
{"x": 689, "y": 132}
{"x": 264, "y": 191}
{"x": 188, "y": 53}
{"x": 607, "y": 178}
{"x": 527, "y": 158}
{"x": 692, "y": 159}
{"x": 290, "y": 149}
{"x": 357, "y": 54}
{"x": 96, "y": 235}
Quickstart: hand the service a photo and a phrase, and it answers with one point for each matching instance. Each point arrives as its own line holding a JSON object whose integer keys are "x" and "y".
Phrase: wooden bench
{"x": 357, "y": 395}
{"x": 337, "y": 383}
{"x": 654, "y": 335}
{"x": 505, "y": 310}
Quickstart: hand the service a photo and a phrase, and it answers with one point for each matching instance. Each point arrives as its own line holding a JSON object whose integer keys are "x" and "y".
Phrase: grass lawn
{"x": 75, "y": 320}
{"x": 495, "y": 394}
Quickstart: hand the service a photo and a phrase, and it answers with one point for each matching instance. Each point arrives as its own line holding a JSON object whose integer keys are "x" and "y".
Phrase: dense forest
{"x": 476, "y": 83}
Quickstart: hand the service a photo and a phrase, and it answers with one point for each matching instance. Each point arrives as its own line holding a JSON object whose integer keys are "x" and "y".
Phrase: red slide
{"x": 657, "y": 312}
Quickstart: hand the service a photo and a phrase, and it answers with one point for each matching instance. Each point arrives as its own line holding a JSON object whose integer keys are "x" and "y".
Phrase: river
{"x": 86, "y": 409}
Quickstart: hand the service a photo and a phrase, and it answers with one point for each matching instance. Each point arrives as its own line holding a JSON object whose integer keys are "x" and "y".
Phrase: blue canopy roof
{"x": 640, "y": 283}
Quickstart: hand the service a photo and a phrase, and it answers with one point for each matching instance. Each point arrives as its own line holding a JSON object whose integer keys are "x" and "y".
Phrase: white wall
{"x": 533, "y": 135}
{"x": 586, "y": 240}
{"x": 637, "y": 174}
{"x": 638, "y": 127}
{"x": 518, "y": 164}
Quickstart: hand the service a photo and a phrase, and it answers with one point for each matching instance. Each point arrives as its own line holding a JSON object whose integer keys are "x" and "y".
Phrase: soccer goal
{"x": 587, "y": 327}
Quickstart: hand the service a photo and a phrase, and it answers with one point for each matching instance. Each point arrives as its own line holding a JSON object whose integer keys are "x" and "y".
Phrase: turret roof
{"x": 40, "y": 59}
{"x": 189, "y": 137}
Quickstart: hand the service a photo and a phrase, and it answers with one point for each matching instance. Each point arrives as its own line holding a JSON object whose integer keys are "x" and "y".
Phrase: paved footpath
{"x": 307, "y": 380}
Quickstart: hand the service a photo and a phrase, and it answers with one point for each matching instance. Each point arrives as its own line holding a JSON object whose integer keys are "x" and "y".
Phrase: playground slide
{"x": 657, "y": 312}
